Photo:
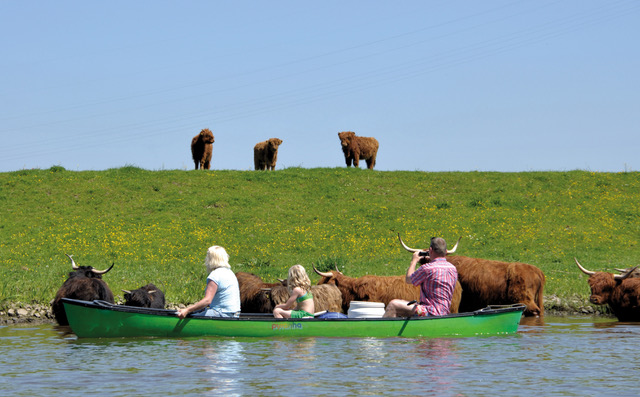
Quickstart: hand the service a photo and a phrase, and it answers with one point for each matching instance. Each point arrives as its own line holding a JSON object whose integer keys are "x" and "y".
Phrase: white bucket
{"x": 358, "y": 309}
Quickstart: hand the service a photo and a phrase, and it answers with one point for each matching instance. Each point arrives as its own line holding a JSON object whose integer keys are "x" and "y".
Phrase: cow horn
{"x": 451, "y": 251}
{"x": 405, "y": 246}
{"x": 102, "y": 271}
{"x": 125, "y": 291}
{"x": 455, "y": 247}
{"x": 623, "y": 271}
{"x": 585, "y": 271}
{"x": 152, "y": 291}
{"x": 73, "y": 264}
{"x": 624, "y": 276}
{"x": 321, "y": 273}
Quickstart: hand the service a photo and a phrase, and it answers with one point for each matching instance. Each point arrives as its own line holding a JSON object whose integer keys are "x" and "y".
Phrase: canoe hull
{"x": 104, "y": 320}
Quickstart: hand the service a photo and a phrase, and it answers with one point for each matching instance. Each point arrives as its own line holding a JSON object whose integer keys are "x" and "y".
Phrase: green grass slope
{"x": 157, "y": 225}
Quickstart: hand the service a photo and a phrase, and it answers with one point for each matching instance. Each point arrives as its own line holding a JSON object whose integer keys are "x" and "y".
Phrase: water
{"x": 574, "y": 356}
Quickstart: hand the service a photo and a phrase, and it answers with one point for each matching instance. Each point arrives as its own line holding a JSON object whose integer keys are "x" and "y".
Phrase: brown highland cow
{"x": 265, "y": 154}
{"x": 201, "y": 149}
{"x": 358, "y": 147}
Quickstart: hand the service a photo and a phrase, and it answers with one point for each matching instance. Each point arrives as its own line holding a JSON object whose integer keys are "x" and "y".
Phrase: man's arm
{"x": 412, "y": 267}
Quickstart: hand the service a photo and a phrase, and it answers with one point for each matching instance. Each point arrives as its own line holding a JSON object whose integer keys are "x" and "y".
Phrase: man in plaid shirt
{"x": 436, "y": 279}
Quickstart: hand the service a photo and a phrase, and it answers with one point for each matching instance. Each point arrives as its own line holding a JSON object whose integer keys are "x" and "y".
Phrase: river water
{"x": 561, "y": 356}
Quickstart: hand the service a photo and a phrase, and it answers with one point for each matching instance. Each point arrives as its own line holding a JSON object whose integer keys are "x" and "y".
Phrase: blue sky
{"x": 444, "y": 86}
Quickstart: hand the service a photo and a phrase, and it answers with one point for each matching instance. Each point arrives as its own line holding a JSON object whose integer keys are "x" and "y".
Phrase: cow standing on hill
{"x": 265, "y": 154}
{"x": 489, "y": 282}
{"x": 202, "y": 149}
{"x": 358, "y": 147}
{"x": 621, "y": 292}
{"x": 84, "y": 283}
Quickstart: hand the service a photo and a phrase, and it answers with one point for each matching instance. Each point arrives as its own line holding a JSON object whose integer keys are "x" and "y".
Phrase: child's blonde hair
{"x": 298, "y": 278}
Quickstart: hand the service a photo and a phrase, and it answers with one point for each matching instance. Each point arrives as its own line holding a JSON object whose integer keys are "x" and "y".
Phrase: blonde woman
{"x": 299, "y": 287}
{"x": 222, "y": 294}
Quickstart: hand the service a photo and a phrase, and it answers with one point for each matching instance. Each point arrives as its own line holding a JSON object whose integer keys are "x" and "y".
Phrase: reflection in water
{"x": 533, "y": 321}
{"x": 551, "y": 357}
{"x": 618, "y": 326}
{"x": 223, "y": 359}
{"x": 440, "y": 364}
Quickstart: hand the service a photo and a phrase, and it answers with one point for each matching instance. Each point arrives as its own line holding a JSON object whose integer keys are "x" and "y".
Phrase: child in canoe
{"x": 299, "y": 287}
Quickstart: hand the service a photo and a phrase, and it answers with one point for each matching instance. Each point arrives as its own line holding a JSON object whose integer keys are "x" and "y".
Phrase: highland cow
{"x": 358, "y": 147}
{"x": 265, "y": 154}
{"x": 202, "y": 149}
{"x": 489, "y": 282}
{"x": 621, "y": 292}
{"x": 84, "y": 283}
{"x": 146, "y": 296}
{"x": 256, "y": 296}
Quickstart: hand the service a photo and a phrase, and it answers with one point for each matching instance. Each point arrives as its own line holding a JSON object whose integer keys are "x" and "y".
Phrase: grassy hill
{"x": 157, "y": 225}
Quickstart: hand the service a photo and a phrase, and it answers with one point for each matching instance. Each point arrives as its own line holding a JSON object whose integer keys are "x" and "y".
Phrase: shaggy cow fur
{"x": 358, "y": 147}
{"x": 257, "y": 296}
{"x": 146, "y": 296}
{"x": 265, "y": 154}
{"x": 620, "y": 293}
{"x": 488, "y": 282}
{"x": 202, "y": 149}
{"x": 379, "y": 289}
{"x": 83, "y": 284}
{"x": 623, "y": 297}
{"x": 254, "y": 293}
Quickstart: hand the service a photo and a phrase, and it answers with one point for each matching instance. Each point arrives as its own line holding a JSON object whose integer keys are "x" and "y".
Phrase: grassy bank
{"x": 156, "y": 225}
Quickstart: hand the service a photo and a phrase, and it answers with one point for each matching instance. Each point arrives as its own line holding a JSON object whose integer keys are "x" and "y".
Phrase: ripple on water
{"x": 554, "y": 356}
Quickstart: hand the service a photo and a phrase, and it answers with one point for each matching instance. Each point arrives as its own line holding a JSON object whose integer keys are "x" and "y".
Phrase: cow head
{"x": 346, "y": 137}
{"x": 602, "y": 284}
{"x": 83, "y": 283}
{"x": 145, "y": 296}
{"x": 255, "y": 295}
{"x": 85, "y": 271}
{"x": 333, "y": 277}
{"x": 274, "y": 143}
{"x": 206, "y": 136}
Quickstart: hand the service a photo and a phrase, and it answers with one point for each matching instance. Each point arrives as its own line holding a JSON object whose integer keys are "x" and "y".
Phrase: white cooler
{"x": 358, "y": 309}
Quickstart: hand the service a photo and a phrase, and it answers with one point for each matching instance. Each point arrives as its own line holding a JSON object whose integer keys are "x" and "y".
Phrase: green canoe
{"x": 99, "y": 319}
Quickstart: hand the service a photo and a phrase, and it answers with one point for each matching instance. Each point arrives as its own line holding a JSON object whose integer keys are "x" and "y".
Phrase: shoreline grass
{"x": 156, "y": 226}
